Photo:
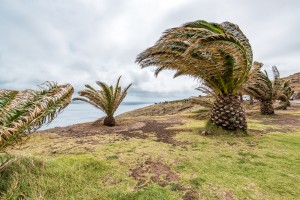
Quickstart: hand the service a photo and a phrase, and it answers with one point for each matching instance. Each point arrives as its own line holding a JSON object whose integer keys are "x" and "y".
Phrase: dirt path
{"x": 140, "y": 128}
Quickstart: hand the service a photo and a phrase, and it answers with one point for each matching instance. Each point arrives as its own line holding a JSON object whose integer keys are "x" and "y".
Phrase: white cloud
{"x": 82, "y": 41}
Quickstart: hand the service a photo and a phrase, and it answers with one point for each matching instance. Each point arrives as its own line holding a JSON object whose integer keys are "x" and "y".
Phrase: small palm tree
{"x": 218, "y": 54}
{"x": 22, "y": 112}
{"x": 265, "y": 90}
{"x": 108, "y": 99}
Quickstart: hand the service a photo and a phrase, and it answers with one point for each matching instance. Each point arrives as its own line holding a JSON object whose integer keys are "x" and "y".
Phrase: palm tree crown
{"x": 287, "y": 90}
{"x": 219, "y": 54}
{"x": 262, "y": 88}
{"x": 107, "y": 100}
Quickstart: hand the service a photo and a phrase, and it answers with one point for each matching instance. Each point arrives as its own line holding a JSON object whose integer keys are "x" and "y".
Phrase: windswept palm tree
{"x": 287, "y": 91}
{"x": 107, "y": 100}
{"x": 22, "y": 112}
{"x": 265, "y": 90}
{"x": 218, "y": 54}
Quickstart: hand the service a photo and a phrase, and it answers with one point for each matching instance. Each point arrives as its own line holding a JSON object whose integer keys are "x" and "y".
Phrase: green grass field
{"x": 263, "y": 165}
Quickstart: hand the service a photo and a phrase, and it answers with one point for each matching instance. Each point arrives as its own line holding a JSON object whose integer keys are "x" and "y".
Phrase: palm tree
{"x": 22, "y": 112}
{"x": 218, "y": 54}
{"x": 108, "y": 99}
{"x": 287, "y": 91}
{"x": 265, "y": 90}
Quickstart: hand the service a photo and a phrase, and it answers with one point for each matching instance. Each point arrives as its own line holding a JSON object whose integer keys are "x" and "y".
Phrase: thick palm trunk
{"x": 229, "y": 113}
{"x": 241, "y": 98}
{"x": 288, "y": 103}
{"x": 266, "y": 108}
{"x": 251, "y": 100}
{"x": 109, "y": 121}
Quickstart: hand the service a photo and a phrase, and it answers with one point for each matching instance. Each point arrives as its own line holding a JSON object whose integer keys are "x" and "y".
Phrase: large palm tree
{"x": 265, "y": 90}
{"x": 107, "y": 100}
{"x": 24, "y": 111}
{"x": 218, "y": 54}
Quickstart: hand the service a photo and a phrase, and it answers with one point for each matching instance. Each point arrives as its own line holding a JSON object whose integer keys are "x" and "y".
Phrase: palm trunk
{"x": 109, "y": 121}
{"x": 266, "y": 108}
{"x": 251, "y": 100}
{"x": 241, "y": 98}
{"x": 228, "y": 112}
{"x": 288, "y": 103}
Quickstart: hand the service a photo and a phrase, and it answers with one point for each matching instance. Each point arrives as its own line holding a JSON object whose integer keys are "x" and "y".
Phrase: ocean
{"x": 79, "y": 112}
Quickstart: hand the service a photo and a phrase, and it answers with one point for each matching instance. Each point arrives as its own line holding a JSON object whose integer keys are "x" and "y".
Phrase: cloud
{"x": 85, "y": 41}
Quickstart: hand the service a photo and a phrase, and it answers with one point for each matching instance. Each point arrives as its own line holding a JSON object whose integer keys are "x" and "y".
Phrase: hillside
{"x": 164, "y": 108}
{"x": 295, "y": 83}
{"x": 159, "y": 157}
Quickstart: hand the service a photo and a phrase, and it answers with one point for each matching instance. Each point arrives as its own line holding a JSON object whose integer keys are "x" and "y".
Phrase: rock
{"x": 206, "y": 132}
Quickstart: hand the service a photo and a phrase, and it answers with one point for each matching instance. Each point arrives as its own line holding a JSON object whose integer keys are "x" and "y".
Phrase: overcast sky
{"x": 81, "y": 41}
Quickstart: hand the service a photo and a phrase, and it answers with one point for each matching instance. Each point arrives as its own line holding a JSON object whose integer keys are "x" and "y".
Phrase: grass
{"x": 295, "y": 112}
{"x": 200, "y": 111}
{"x": 191, "y": 125}
{"x": 221, "y": 166}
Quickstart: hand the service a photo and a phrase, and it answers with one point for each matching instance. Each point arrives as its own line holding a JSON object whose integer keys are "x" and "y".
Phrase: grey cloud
{"x": 85, "y": 41}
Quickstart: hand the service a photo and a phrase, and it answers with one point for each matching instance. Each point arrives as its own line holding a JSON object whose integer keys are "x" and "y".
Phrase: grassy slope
{"x": 260, "y": 166}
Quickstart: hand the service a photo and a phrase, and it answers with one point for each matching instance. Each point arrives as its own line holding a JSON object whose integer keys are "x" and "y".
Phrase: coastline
{"x": 77, "y": 113}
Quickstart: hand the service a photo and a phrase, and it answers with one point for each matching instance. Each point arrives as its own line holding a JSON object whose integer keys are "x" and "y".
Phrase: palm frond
{"x": 107, "y": 99}
{"x": 219, "y": 54}
{"x": 37, "y": 108}
{"x": 286, "y": 89}
{"x": 277, "y": 81}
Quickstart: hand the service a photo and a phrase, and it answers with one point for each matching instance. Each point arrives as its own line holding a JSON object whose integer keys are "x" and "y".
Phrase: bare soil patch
{"x": 163, "y": 134}
{"x": 190, "y": 195}
{"x": 153, "y": 171}
{"x": 134, "y": 128}
{"x": 280, "y": 119}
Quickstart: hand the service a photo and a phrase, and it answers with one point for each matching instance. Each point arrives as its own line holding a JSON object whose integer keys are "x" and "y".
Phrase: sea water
{"x": 79, "y": 112}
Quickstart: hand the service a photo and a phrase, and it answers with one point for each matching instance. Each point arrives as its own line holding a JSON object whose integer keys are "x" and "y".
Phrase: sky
{"x": 81, "y": 41}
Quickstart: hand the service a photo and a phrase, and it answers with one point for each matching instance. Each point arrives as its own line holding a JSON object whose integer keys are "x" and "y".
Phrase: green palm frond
{"x": 28, "y": 110}
{"x": 219, "y": 54}
{"x": 6, "y": 96}
{"x": 107, "y": 99}
{"x": 121, "y": 96}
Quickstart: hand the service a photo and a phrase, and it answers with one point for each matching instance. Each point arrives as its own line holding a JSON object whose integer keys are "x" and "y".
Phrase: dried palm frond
{"x": 206, "y": 101}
